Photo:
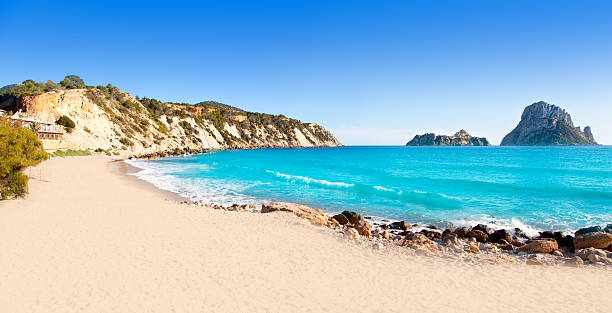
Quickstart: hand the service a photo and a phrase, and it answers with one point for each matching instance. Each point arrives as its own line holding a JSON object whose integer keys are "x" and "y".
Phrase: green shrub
{"x": 66, "y": 122}
{"x": 126, "y": 142}
{"x": 70, "y": 152}
{"x": 19, "y": 148}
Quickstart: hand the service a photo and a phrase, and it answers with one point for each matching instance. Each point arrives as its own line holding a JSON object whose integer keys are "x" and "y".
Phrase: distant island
{"x": 460, "y": 138}
{"x": 544, "y": 124}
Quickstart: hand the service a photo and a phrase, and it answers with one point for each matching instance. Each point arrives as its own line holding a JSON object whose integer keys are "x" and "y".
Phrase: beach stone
{"x": 316, "y": 217}
{"x": 539, "y": 246}
{"x": 332, "y": 223}
{"x": 449, "y": 238}
{"x": 574, "y": 262}
{"x": 401, "y": 225}
{"x": 351, "y": 232}
{"x": 462, "y": 232}
{"x": 598, "y": 240}
{"x": 341, "y": 219}
{"x": 500, "y": 235}
{"x": 608, "y": 229}
{"x": 586, "y": 230}
{"x": 534, "y": 262}
{"x": 557, "y": 253}
{"x": 431, "y": 234}
{"x": 479, "y": 235}
{"x": 586, "y": 253}
{"x": 473, "y": 249}
{"x": 364, "y": 228}
{"x": 483, "y": 228}
{"x": 385, "y": 235}
{"x": 353, "y": 217}
{"x": 504, "y": 245}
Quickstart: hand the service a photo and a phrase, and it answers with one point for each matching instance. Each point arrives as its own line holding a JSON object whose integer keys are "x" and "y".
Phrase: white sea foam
{"x": 309, "y": 180}
{"x": 497, "y": 223}
{"x": 204, "y": 190}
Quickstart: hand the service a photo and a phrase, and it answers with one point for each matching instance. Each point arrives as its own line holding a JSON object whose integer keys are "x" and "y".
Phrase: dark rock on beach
{"x": 341, "y": 219}
{"x": 499, "y": 235}
{"x": 599, "y": 240}
{"x": 586, "y": 230}
{"x": 401, "y": 225}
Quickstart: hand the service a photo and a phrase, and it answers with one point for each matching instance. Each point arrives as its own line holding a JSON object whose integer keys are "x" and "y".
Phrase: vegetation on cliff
{"x": 107, "y": 117}
{"x": 19, "y": 148}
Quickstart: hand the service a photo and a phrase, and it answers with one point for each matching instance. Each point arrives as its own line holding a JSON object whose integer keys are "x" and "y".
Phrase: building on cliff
{"x": 44, "y": 129}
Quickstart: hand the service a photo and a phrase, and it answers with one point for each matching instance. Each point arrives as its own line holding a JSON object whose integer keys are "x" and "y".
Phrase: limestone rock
{"x": 473, "y": 249}
{"x": 363, "y": 228}
{"x": 316, "y": 217}
{"x": 598, "y": 240}
{"x": 539, "y": 246}
{"x": 479, "y": 235}
{"x": 351, "y": 232}
{"x": 574, "y": 262}
{"x": 585, "y": 254}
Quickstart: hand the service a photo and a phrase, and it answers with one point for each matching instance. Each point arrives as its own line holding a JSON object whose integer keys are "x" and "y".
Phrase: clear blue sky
{"x": 375, "y": 72}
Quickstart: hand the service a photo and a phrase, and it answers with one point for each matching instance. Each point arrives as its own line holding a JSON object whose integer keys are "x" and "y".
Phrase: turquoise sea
{"x": 534, "y": 188}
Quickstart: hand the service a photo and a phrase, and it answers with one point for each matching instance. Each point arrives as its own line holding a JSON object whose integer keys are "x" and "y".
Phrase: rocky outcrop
{"x": 599, "y": 240}
{"x": 544, "y": 124}
{"x": 113, "y": 120}
{"x": 460, "y": 138}
{"x": 539, "y": 246}
{"x": 316, "y": 217}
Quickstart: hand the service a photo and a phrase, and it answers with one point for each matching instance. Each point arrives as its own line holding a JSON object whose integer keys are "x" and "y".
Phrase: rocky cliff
{"x": 460, "y": 138}
{"x": 113, "y": 120}
{"x": 544, "y": 124}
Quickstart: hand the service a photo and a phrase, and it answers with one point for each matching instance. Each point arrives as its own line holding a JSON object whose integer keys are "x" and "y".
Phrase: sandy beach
{"x": 89, "y": 238}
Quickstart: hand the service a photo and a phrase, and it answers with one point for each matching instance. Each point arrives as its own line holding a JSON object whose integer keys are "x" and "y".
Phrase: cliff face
{"x": 460, "y": 138}
{"x": 110, "y": 119}
{"x": 544, "y": 124}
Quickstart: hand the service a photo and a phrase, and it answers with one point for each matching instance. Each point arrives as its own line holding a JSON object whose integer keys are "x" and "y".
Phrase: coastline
{"x": 94, "y": 240}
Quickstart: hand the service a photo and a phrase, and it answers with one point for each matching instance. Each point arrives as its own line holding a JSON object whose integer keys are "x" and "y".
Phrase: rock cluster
{"x": 592, "y": 245}
{"x": 460, "y": 138}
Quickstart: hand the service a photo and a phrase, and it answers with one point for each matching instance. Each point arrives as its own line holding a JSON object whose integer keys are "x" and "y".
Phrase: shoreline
{"x": 431, "y": 240}
{"x": 89, "y": 239}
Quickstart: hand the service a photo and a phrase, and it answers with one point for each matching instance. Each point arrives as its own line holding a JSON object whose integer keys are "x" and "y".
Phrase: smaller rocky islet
{"x": 587, "y": 246}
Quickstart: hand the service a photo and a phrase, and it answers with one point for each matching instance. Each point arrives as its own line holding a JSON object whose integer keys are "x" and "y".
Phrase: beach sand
{"x": 92, "y": 239}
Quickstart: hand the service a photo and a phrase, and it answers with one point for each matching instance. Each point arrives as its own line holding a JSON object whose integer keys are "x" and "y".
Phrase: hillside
{"x": 108, "y": 118}
{"x": 544, "y": 124}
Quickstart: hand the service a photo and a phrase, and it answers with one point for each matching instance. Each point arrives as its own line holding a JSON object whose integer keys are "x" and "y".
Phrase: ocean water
{"x": 533, "y": 188}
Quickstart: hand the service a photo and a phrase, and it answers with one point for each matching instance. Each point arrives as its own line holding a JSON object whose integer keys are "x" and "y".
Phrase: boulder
{"x": 500, "y": 235}
{"x": 316, "y": 217}
{"x": 563, "y": 241}
{"x": 479, "y": 235}
{"x": 364, "y": 228}
{"x": 351, "y": 232}
{"x": 353, "y": 217}
{"x": 341, "y": 219}
{"x": 385, "y": 235}
{"x": 431, "y": 234}
{"x": 484, "y": 228}
{"x": 472, "y": 249}
{"x": 401, "y": 225}
{"x": 598, "y": 240}
{"x": 462, "y": 232}
{"x": 608, "y": 229}
{"x": 592, "y": 229}
{"x": 574, "y": 262}
{"x": 585, "y": 254}
{"x": 539, "y": 246}
{"x": 450, "y": 239}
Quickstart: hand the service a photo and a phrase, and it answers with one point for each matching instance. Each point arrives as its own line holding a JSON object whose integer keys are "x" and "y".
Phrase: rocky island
{"x": 460, "y": 138}
{"x": 544, "y": 124}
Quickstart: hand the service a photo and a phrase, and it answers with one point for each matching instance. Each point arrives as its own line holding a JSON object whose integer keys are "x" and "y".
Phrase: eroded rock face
{"x": 460, "y": 138}
{"x": 544, "y": 124}
{"x": 316, "y": 217}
